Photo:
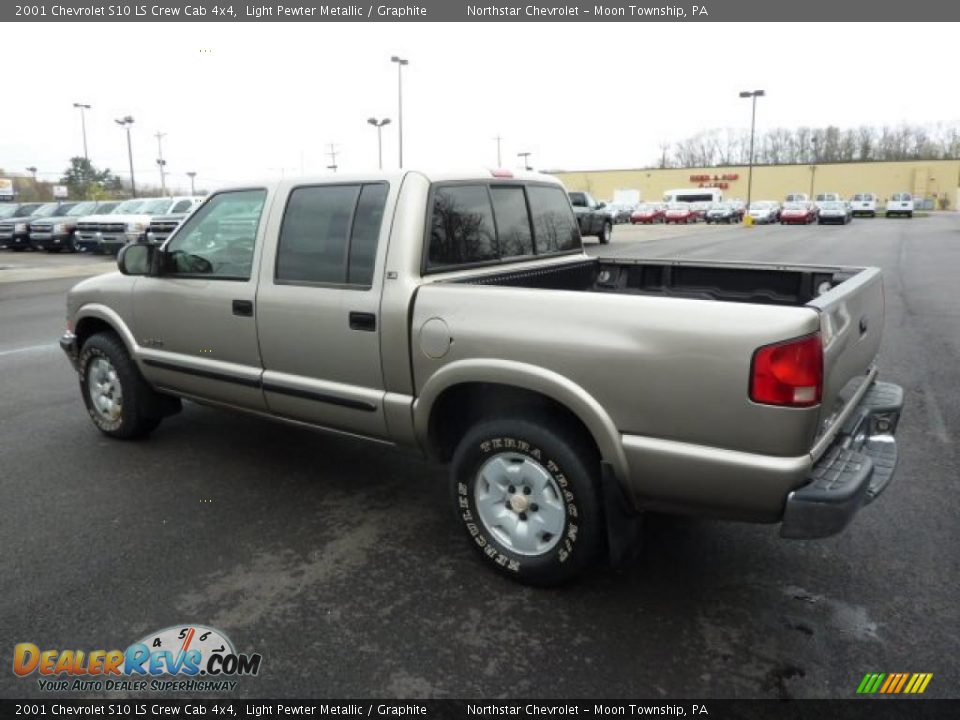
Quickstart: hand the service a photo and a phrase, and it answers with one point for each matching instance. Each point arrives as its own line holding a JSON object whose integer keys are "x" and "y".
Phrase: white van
{"x": 797, "y": 198}
{"x": 864, "y": 204}
{"x": 900, "y": 204}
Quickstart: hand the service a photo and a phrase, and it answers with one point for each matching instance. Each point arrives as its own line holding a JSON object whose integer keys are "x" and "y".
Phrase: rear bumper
{"x": 857, "y": 467}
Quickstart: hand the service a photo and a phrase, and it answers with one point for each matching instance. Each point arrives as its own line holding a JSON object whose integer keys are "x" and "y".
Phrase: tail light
{"x": 788, "y": 373}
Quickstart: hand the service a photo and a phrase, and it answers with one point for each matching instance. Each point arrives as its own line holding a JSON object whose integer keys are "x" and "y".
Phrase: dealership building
{"x": 927, "y": 179}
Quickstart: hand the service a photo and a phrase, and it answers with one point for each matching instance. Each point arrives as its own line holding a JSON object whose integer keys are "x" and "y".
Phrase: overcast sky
{"x": 245, "y": 101}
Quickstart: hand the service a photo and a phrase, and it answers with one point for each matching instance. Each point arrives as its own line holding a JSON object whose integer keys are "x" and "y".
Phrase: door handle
{"x": 243, "y": 308}
{"x": 363, "y": 321}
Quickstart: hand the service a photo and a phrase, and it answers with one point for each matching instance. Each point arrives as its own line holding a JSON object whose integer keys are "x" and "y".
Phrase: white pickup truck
{"x": 457, "y": 315}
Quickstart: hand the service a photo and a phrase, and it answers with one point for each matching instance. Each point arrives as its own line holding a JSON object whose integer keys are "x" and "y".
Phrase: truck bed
{"x": 766, "y": 285}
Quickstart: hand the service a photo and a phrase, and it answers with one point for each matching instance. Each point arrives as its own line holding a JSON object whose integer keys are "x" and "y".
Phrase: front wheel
{"x": 605, "y": 233}
{"x": 118, "y": 399}
{"x": 525, "y": 491}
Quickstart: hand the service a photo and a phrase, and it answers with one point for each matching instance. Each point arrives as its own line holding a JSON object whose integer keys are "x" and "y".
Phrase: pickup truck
{"x": 593, "y": 218}
{"x": 458, "y": 316}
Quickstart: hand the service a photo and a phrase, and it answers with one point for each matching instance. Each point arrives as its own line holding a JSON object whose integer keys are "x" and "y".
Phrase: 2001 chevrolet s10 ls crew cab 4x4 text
{"x": 458, "y": 315}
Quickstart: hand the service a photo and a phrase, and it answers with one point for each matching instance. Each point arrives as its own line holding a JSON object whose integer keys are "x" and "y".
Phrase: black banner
{"x": 484, "y": 709}
{"x": 627, "y": 11}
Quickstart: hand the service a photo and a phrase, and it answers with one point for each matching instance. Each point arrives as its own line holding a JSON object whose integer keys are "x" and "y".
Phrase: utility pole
{"x": 333, "y": 152}
{"x": 125, "y": 123}
{"x": 191, "y": 174}
{"x": 83, "y": 125}
{"x": 161, "y": 162}
{"x": 499, "y": 162}
{"x": 526, "y": 159}
{"x": 33, "y": 171}
{"x": 400, "y": 63}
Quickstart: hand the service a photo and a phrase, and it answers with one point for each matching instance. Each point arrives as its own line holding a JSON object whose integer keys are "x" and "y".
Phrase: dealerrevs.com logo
{"x": 183, "y": 658}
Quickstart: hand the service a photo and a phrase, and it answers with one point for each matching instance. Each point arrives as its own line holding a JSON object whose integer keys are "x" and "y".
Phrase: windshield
{"x": 128, "y": 206}
{"x": 7, "y": 210}
{"x": 721, "y": 206}
{"x": 84, "y": 208}
{"x": 26, "y": 210}
{"x": 643, "y": 208}
{"x": 106, "y": 207}
{"x": 858, "y": 196}
{"x": 161, "y": 205}
{"x": 47, "y": 210}
{"x": 833, "y": 206}
{"x": 760, "y": 206}
{"x": 793, "y": 206}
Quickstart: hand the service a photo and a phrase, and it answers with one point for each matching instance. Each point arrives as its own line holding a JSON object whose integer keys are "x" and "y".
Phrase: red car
{"x": 679, "y": 212}
{"x": 646, "y": 214}
{"x": 798, "y": 214}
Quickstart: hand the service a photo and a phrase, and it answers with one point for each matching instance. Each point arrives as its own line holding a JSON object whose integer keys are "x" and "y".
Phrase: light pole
{"x": 813, "y": 168}
{"x": 125, "y": 123}
{"x": 754, "y": 94}
{"x": 400, "y": 63}
{"x": 499, "y": 162}
{"x": 83, "y": 125}
{"x": 161, "y": 162}
{"x": 191, "y": 174}
{"x": 378, "y": 124}
{"x": 33, "y": 171}
{"x": 526, "y": 159}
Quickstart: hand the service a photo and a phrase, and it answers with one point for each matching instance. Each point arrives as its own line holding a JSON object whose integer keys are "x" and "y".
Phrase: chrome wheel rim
{"x": 106, "y": 394}
{"x": 520, "y": 503}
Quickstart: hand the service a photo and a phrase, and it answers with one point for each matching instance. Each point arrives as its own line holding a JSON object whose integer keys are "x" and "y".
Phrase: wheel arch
{"x": 462, "y": 392}
{"x": 94, "y": 318}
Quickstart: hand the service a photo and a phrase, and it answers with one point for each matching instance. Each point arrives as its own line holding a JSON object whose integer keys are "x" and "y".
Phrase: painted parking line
{"x": 29, "y": 349}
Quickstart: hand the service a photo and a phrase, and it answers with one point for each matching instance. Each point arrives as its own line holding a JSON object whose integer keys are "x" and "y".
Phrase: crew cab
{"x": 900, "y": 204}
{"x": 457, "y": 315}
{"x": 161, "y": 226}
{"x": 592, "y": 218}
{"x": 126, "y": 224}
{"x": 58, "y": 232}
{"x": 15, "y": 230}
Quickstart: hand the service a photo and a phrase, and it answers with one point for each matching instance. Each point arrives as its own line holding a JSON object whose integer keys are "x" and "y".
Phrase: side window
{"x": 329, "y": 234}
{"x": 554, "y": 227}
{"x": 314, "y": 234}
{"x": 462, "y": 229}
{"x": 218, "y": 239}
{"x": 513, "y": 221}
{"x": 578, "y": 199}
{"x": 182, "y": 206}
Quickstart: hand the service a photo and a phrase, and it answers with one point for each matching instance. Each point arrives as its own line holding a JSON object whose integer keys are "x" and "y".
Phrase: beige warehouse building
{"x": 926, "y": 179}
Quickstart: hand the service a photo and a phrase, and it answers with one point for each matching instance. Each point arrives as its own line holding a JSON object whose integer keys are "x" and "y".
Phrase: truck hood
{"x": 116, "y": 219}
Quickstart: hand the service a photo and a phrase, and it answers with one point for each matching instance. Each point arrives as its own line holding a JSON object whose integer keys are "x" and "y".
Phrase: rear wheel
{"x": 525, "y": 490}
{"x": 605, "y": 233}
{"x": 118, "y": 399}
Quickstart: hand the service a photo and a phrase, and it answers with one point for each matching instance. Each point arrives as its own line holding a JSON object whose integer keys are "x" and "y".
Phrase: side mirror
{"x": 136, "y": 258}
{"x": 601, "y": 205}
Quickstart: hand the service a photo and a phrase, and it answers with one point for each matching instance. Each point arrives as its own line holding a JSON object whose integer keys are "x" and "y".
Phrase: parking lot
{"x": 340, "y": 562}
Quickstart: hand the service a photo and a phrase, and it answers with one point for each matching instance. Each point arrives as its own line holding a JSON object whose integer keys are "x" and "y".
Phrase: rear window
{"x": 482, "y": 223}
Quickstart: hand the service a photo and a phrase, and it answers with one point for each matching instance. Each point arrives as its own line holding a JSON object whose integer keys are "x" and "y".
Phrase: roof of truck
{"x": 445, "y": 175}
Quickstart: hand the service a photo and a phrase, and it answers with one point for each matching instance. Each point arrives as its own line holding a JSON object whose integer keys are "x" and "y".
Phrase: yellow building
{"x": 924, "y": 178}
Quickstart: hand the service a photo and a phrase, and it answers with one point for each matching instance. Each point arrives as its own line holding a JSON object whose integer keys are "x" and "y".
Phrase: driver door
{"x": 195, "y": 321}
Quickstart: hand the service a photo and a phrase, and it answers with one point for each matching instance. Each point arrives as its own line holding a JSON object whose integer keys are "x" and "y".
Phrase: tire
{"x": 909, "y": 214}
{"x": 560, "y": 470}
{"x": 126, "y": 407}
{"x": 605, "y": 232}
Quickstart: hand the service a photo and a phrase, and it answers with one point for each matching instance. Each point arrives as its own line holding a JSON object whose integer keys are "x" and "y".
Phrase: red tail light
{"x": 788, "y": 373}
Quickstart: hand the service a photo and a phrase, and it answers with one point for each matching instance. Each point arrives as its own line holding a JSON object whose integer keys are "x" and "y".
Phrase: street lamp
{"x": 813, "y": 168}
{"x": 191, "y": 174}
{"x": 161, "y": 163}
{"x": 753, "y": 94}
{"x": 400, "y": 63}
{"x": 83, "y": 124}
{"x": 379, "y": 126}
{"x": 33, "y": 171}
{"x": 125, "y": 122}
{"x": 526, "y": 159}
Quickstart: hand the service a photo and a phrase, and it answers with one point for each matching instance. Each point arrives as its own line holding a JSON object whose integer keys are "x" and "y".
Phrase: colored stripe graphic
{"x": 894, "y": 683}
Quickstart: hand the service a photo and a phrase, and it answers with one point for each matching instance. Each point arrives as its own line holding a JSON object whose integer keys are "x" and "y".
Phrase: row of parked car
{"x": 91, "y": 226}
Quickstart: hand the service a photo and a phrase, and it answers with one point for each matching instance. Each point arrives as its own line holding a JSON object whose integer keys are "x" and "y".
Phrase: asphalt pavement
{"x": 341, "y": 564}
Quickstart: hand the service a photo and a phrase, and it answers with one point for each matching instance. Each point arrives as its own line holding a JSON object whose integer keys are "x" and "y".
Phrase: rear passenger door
{"x": 318, "y": 308}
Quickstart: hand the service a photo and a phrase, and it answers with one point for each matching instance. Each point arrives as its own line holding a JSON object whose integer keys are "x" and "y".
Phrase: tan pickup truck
{"x": 458, "y": 315}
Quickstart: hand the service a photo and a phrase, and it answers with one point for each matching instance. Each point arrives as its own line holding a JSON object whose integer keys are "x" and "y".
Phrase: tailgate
{"x": 851, "y": 321}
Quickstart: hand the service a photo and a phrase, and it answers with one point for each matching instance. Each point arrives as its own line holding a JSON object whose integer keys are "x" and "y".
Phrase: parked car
{"x": 646, "y": 213}
{"x": 834, "y": 212}
{"x": 828, "y": 197}
{"x": 58, "y": 232}
{"x": 764, "y": 212}
{"x": 336, "y": 311}
{"x": 900, "y": 204}
{"x": 161, "y": 226}
{"x": 127, "y": 223}
{"x": 591, "y": 217}
{"x": 864, "y": 204}
{"x": 679, "y": 212}
{"x": 619, "y": 212}
{"x": 700, "y": 208}
{"x": 798, "y": 213}
{"x": 15, "y": 230}
{"x": 723, "y": 212}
